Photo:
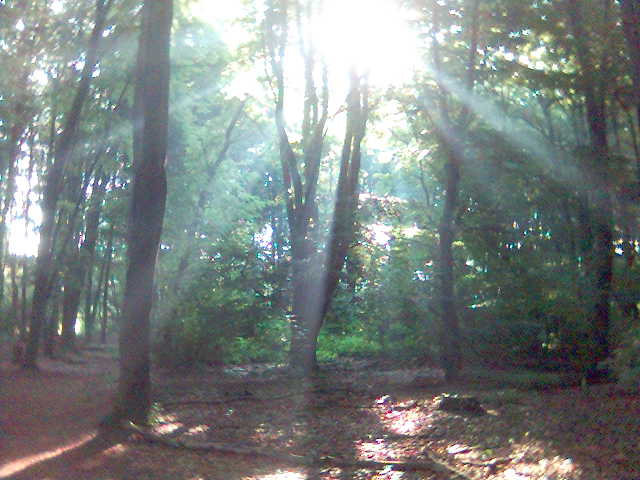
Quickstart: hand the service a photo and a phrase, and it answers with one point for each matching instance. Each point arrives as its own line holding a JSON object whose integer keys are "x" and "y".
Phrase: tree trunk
{"x": 631, "y": 24}
{"x": 70, "y": 300}
{"x": 81, "y": 262}
{"x": 23, "y": 297}
{"x": 17, "y": 141}
{"x": 105, "y": 293}
{"x": 50, "y": 333}
{"x": 601, "y": 261}
{"x": 53, "y": 187}
{"x": 450, "y": 333}
{"x": 147, "y": 209}
{"x": 89, "y": 318}
{"x": 15, "y": 294}
{"x": 314, "y": 276}
{"x": 449, "y": 137}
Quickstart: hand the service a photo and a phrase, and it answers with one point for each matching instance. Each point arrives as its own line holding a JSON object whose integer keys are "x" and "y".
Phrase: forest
{"x": 320, "y": 239}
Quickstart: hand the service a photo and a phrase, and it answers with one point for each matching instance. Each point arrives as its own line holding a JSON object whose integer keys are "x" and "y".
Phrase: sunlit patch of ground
{"x": 17, "y": 466}
{"x": 280, "y": 475}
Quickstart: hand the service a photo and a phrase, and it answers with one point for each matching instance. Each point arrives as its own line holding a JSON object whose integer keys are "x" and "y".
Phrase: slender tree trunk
{"x": 15, "y": 293}
{"x": 70, "y": 301}
{"x": 53, "y": 187}
{"x": 23, "y": 302}
{"x": 450, "y": 337}
{"x": 147, "y": 209}
{"x": 105, "y": 292}
{"x": 95, "y": 299}
{"x": 50, "y": 333}
{"x": 314, "y": 276}
{"x": 17, "y": 140}
{"x": 104, "y": 322}
{"x": 80, "y": 262}
{"x": 601, "y": 262}
{"x": 449, "y": 138}
{"x": 89, "y": 319}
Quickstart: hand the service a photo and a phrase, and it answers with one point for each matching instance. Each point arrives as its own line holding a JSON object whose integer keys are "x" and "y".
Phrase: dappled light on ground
{"x": 280, "y": 475}
{"x": 17, "y": 466}
{"x": 351, "y": 414}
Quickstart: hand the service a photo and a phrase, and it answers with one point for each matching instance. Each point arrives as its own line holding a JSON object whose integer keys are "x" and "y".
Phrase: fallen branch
{"x": 429, "y": 465}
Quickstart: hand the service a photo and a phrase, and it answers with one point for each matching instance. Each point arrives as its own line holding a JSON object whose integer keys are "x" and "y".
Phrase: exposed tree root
{"x": 428, "y": 465}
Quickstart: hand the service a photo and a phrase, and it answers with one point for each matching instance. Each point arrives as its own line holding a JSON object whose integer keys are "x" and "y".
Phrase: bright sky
{"x": 372, "y": 34}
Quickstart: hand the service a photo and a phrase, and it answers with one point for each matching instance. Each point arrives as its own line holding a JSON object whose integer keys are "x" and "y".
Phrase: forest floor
{"x": 256, "y": 423}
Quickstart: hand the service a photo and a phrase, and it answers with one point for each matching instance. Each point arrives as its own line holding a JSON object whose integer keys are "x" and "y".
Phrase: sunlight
{"x": 280, "y": 475}
{"x": 373, "y": 36}
{"x": 20, "y": 464}
{"x": 21, "y": 241}
{"x": 509, "y": 128}
{"x": 361, "y": 33}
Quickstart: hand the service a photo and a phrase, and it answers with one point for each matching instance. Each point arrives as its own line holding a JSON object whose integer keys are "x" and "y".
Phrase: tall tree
{"x": 314, "y": 273}
{"x": 54, "y": 183}
{"x": 450, "y": 127}
{"x": 151, "y": 120}
{"x": 600, "y": 259}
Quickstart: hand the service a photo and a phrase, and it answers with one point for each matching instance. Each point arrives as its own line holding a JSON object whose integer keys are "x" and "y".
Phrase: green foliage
{"x": 625, "y": 362}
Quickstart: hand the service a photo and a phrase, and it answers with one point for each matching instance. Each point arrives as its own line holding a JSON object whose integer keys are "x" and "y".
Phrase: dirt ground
{"x": 351, "y": 413}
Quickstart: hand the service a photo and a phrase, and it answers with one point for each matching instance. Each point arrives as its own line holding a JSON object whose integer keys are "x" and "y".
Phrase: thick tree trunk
{"x": 53, "y": 187}
{"x": 147, "y": 209}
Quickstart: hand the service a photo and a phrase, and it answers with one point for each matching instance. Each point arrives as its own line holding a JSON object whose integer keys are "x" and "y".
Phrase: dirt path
{"x": 359, "y": 414}
{"x": 45, "y": 412}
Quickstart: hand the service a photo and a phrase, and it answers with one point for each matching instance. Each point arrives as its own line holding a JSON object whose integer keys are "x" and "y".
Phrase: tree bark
{"x": 147, "y": 209}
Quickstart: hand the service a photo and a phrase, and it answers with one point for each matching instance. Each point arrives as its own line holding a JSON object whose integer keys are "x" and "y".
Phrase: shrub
{"x": 625, "y": 362}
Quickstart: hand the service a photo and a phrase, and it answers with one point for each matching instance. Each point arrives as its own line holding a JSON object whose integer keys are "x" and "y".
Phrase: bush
{"x": 625, "y": 362}
{"x": 331, "y": 347}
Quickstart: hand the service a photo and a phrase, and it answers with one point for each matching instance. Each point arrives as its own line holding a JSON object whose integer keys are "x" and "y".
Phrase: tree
{"x": 53, "y": 187}
{"x": 147, "y": 208}
{"x": 601, "y": 256}
{"x": 314, "y": 275}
